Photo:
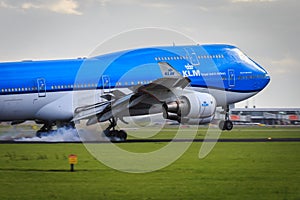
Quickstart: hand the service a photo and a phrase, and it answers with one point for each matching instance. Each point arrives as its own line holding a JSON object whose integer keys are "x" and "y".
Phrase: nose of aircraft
{"x": 264, "y": 77}
{"x": 260, "y": 75}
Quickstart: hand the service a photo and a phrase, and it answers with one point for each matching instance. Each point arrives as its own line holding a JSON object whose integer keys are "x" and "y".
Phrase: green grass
{"x": 264, "y": 170}
{"x": 237, "y": 132}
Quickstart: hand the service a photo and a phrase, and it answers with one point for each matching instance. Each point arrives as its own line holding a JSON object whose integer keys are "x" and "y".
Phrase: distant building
{"x": 268, "y": 116}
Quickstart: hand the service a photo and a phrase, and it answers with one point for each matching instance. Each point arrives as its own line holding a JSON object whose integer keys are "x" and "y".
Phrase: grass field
{"x": 237, "y": 132}
{"x": 263, "y": 170}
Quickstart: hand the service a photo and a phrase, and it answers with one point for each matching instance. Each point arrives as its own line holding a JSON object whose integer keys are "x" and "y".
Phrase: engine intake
{"x": 192, "y": 108}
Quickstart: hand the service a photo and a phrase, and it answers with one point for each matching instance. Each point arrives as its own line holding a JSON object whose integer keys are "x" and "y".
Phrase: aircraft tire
{"x": 228, "y": 125}
{"x": 222, "y": 125}
{"x": 115, "y": 135}
{"x": 39, "y": 134}
{"x": 122, "y": 135}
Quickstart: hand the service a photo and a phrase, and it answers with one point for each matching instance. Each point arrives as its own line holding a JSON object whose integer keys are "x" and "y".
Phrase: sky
{"x": 266, "y": 30}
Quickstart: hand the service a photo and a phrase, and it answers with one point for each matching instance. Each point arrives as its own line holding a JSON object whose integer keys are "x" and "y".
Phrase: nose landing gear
{"x": 226, "y": 124}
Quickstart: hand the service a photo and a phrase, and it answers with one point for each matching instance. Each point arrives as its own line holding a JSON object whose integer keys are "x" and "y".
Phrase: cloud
{"x": 59, "y": 6}
{"x": 102, "y": 2}
{"x": 25, "y": 6}
{"x": 285, "y": 65}
{"x": 3, "y": 4}
{"x": 65, "y": 7}
{"x": 157, "y": 5}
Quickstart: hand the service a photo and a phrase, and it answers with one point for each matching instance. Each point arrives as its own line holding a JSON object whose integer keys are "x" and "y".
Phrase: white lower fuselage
{"x": 60, "y": 106}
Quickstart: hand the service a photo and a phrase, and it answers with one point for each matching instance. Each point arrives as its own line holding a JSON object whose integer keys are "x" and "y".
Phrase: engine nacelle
{"x": 191, "y": 108}
{"x": 193, "y": 121}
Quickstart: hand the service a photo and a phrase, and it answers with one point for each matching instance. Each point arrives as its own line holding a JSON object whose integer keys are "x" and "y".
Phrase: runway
{"x": 160, "y": 141}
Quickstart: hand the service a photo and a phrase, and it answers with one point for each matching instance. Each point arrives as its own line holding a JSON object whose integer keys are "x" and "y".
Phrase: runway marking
{"x": 163, "y": 140}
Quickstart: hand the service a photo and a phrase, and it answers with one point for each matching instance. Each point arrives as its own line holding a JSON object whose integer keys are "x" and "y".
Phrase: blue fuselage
{"x": 220, "y": 67}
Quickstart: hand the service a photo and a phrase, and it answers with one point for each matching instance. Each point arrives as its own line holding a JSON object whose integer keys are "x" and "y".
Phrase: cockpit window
{"x": 241, "y": 56}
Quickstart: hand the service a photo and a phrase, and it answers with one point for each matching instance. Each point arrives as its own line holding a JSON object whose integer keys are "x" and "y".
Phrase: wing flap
{"x": 89, "y": 111}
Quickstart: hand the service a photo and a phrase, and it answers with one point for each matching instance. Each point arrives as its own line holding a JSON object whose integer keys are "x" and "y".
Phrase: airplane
{"x": 184, "y": 83}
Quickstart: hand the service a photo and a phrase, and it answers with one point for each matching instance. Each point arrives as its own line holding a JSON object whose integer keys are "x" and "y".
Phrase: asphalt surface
{"x": 161, "y": 140}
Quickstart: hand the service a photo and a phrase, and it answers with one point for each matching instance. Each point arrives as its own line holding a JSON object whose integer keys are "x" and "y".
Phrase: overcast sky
{"x": 266, "y": 30}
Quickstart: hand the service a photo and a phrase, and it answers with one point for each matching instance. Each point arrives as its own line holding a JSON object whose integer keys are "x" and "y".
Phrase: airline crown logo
{"x": 189, "y": 67}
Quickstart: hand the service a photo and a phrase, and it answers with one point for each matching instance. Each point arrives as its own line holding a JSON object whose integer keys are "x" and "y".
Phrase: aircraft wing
{"x": 89, "y": 111}
{"x": 142, "y": 98}
{"x": 162, "y": 88}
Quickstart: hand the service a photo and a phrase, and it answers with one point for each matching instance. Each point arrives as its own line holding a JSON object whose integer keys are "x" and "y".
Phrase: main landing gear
{"x": 47, "y": 128}
{"x": 226, "y": 124}
{"x": 114, "y": 135}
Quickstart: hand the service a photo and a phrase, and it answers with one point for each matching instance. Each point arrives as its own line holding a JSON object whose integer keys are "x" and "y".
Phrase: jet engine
{"x": 191, "y": 108}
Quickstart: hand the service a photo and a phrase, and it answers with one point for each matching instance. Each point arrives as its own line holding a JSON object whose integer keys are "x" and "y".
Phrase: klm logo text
{"x": 190, "y": 71}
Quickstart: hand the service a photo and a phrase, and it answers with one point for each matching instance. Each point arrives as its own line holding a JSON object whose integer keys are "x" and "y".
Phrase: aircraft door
{"x": 105, "y": 83}
{"x": 192, "y": 56}
{"x": 231, "y": 78}
{"x": 41, "y": 86}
